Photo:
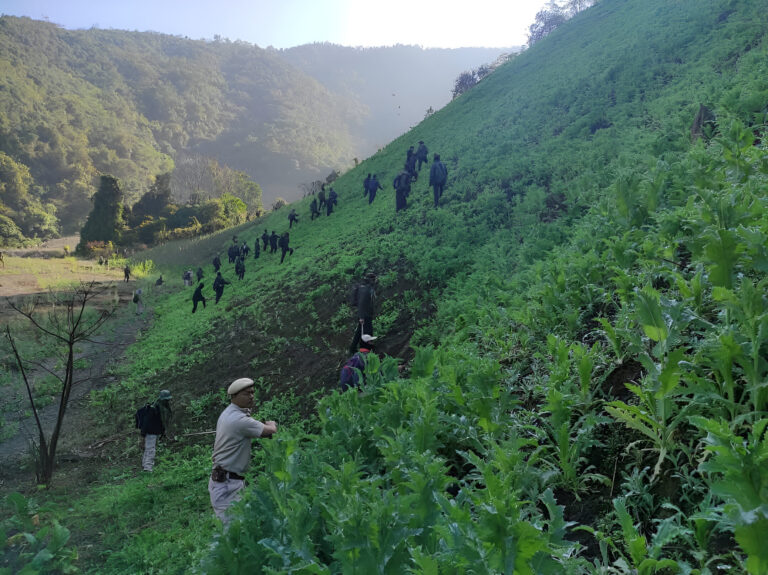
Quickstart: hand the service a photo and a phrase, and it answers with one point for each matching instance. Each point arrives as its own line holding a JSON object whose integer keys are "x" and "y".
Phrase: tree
{"x": 234, "y": 209}
{"x": 105, "y": 222}
{"x": 69, "y": 323}
{"x": 155, "y": 202}
{"x": 464, "y": 82}
{"x": 545, "y": 22}
{"x": 553, "y": 16}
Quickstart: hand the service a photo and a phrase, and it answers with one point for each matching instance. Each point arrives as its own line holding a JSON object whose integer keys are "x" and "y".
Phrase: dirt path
{"x": 106, "y": 349}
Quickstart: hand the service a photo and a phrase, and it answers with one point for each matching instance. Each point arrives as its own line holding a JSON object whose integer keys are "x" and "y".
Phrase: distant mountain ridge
{"x": 76, "y": 104}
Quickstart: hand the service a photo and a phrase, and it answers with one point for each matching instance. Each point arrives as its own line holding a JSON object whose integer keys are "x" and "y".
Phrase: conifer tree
{"x": 105, "y": 222}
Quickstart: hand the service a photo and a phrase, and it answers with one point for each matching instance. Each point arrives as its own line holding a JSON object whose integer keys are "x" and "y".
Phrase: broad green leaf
{"x": 649, "y": 314}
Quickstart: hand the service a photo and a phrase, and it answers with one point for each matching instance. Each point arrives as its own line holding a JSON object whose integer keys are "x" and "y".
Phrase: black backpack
{"x": 351, "y": 371}
{"x": 353, "y": 295}
{"x": 148, "y": 420}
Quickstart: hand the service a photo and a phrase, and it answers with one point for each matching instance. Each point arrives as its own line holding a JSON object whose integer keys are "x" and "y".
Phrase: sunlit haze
{"x": 286, "y": 23}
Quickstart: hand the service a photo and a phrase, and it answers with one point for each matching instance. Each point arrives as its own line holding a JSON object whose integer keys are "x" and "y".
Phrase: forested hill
{"x": 74, "y": 104}
{"x": 571, "y": 358}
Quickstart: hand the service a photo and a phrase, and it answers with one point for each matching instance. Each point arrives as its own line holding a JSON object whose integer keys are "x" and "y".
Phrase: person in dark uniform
{"x": 284, "y": 242}
{"x": 438, "y": 175}
{"x": 321, "y": 197}
{"x": 421, "y": 154}
{"x": 127, "y": 272}
{"x": 265, "y": 239}
{"x": 199, "y": 274}
{"x": 313, "y": 210}
{"x": 402, "y": 185}
{"x": 273, "y": 242}
{"x": 410, "y": 166}
{"x": 366, "y": 184}
{"x": 198, "y": 297}
{"x": 256, "y": 249}
{"x": 244, "y": 250}
{"x": 218, "y": 286}
{"x": 333, "y": 199}
{"x": 240, "y": 268}
{"x": 292, "y": 217}
{"x": 365, "y": 299}
{"x": 373, "y": 186}
{"x": 216, "y": 263}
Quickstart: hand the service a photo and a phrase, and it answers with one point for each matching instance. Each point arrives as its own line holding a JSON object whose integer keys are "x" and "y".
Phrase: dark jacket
{"x": 438, "y": 174}
{"x": 219, "y": 283}
{"x": 366, "y": 296}
{"x": 198, "y": 295}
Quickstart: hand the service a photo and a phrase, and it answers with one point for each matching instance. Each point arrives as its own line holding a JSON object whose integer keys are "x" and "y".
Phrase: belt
{"x": 221, "y": 475}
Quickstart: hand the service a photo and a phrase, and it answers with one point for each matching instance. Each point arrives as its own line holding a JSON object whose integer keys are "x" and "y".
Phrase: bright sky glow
{"x": 287, "y": 23}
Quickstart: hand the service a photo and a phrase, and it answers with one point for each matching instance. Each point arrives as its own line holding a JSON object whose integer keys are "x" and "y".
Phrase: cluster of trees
{"x": 160, "y": 215}
{"x": 468, "y": 79}
{"x": 553, "y": 15}
{"x": 547, "y": 20}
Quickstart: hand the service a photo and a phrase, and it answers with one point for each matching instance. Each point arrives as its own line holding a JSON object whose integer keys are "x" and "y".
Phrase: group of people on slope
{"x": 320, "y": 201}
{"x": 438, "y": 176}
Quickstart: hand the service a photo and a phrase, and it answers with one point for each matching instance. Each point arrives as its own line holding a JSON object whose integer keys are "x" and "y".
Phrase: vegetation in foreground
{"x": 589, "y": 323}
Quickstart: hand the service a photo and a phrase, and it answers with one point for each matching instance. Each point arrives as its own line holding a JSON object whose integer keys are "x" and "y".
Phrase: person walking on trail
{"x": 256, "y": 249}
{"x": 364, "y": 296}
{"x": 373, "y": 186}
{"x": 284, "y": 242}
{"x": 187, "y": 278}
{"x": 216, "y": 263}
{"x": 244, "y": 250}
{"x": 410, "y": 164}
{"x": 235, "y": 429}
{"x": 353, "y": 371}
{"x": 199, "y": 273}
{"x": 402, "y": 185}
{"x": 240, "y": 268}
{"x": 159, "y": 281}
{"x": 438, "y": 175}
{"x": 265, "y": 239}
{"x": 154, "y": 421}
{"x": 273, "y": 242}
{"x": 198, "y": 297}
{"x": 421, "y": 154}
{"x": 321, "y": 197}
{"x": 333, "y": 199}
{"x": 218, "y": 286}
{"x": 292, "y": 217}
{"x": 313, "y": 210}
{"x": 366, "y": 185}
{"x": 127, "y": 272}
{"x": 138, "y": 302}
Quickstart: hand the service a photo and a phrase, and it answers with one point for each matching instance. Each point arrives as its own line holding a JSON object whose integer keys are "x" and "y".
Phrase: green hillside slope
{"x": 581, "y": 329}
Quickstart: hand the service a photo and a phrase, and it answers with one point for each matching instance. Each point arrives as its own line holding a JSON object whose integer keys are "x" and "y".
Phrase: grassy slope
{"x": 572, "y": 180}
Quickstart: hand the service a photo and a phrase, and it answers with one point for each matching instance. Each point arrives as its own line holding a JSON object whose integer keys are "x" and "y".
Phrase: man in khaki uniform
{"x": 232, "y": 447}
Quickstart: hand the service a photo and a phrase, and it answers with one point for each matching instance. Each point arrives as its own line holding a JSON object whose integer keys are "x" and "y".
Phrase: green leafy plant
{"x": 738, "y": 473}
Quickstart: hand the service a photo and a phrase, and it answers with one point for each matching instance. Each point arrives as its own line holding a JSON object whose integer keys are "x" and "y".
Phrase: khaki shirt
{"x": 234, "y": 431}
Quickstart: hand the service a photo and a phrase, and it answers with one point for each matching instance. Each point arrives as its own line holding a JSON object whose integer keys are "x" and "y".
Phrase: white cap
{"x": 367, "y": 338}
{"x": 239, "y": 385}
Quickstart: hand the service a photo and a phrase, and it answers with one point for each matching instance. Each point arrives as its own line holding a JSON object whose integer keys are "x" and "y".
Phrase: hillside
{"x": 572, "y": 358}
{"x": 76, "y": 104}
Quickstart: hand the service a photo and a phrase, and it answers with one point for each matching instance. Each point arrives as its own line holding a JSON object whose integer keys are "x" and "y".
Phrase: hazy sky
{"x": 286, "y": 23}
